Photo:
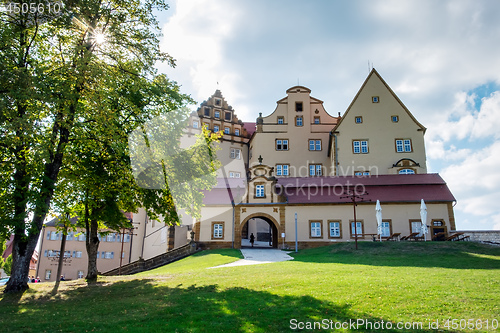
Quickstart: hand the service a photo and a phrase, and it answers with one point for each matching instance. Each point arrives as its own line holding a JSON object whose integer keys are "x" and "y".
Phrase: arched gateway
{"x": 241, "y": 229}
{"x": 270, "y": 237}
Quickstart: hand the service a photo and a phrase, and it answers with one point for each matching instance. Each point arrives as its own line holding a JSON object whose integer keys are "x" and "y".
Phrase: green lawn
{"x": 390, "y": 282}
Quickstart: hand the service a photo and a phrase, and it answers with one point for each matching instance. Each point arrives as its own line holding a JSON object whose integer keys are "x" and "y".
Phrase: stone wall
{"x": 492, "y": 236}
{"x": 160, "y": 260}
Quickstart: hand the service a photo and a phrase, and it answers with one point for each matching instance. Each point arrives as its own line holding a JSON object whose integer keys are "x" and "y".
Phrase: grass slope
{"x": 390, "y": 282}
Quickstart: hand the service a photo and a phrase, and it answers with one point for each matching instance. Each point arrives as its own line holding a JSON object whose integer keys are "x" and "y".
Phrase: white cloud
{"x": 195, "y": 37}
{"x": 487, "y": 121}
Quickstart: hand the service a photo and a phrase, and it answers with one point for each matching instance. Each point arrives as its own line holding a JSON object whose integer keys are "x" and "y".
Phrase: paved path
{"x": 259, "y": 256}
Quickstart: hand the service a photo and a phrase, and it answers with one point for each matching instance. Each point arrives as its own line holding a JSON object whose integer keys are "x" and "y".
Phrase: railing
{"x": 142, "y": 265}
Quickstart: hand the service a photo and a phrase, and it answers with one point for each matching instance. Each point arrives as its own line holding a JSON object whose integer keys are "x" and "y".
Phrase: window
{"x": 362, "y": 173}
{"x": 67, "y": 254}
{"x": 207, "y": 112}
{"x": 217, "y": 230}
{"x": 375, "y": 99}
{"x": 227, "y": 116}
{"x": 109, "y": 255}
{"x": 358, "y": 120}
{"x": 282, "y": 144}
{"x": 54, "y": 235}
{"x": 315, "y": 229}
{"x": 78, "y": 254}
{"x": 80, "y": 274}
{"x": 360, "y": 146}
{"x": 281, "y": 120}
{"x": 386, "y": 228}
{"x": 315, "y": 170}
{"x": 259, "y": 191}
{"x": 237, "y": 132}
{"x": 316, "y": 120}
{"x": 395, "y": 119}
{"x": 196, "y": 124}
{"x": 406, "y": 172}
{"x": 314, "y": 144}
{"x": 416, "y": 226}
{"x": 235, "y": 153}
{"x": 437, "y": 223}
{"x": 282, "y": 170}
{"x": 227, "y": 130}
{"x": 217, "y": 114}
{"x": 81, "y": 237}
{"x": 218, "y": 101}
{"x": 110, "y": 237}
{"x": 48, "y": 273}
{"x": 48, "y": 235}
{"x": 298, "y": 106}
{"x": 234, "y": 174}
{"x": 334, "y": 227}
{"x": 127, "y": 238}
{"x": 403, "y": 145}
{"x": 69, "y": 236}
{"x": 98, "y": 254}
{"x": 216, "y": 128}
{"x": 299, "y": 121}
{"x": 359, "y": 228}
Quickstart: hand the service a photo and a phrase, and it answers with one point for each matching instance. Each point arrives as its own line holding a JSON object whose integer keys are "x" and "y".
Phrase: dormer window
{"x": 218, "y": 102}
{"x": 298, "y": 106}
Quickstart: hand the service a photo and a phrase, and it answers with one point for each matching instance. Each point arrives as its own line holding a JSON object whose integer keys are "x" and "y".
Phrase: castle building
{"x": 301, "y": 161}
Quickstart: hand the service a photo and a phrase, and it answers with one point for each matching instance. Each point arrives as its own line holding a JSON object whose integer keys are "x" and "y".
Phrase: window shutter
{"x": 112, "y": 255}
{"x": 48, "y": 235}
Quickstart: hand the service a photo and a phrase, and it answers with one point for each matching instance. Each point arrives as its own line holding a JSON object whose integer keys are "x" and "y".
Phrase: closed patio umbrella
{"x": 378, "y": 215}
{"x": 423, "y": 218}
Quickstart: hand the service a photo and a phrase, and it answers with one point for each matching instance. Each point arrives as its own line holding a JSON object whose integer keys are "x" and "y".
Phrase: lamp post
{"x": 355, "y": 197}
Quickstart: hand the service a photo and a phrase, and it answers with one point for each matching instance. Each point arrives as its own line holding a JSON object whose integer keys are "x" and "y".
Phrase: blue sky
{"x": 440, "y": 57}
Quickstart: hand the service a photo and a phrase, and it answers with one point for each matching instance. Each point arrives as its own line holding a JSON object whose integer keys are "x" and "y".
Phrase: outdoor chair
{"x": 393, "y": 237}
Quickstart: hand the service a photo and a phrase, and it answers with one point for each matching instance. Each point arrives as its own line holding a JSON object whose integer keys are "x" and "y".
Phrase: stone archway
{"x": 275, "y": 225}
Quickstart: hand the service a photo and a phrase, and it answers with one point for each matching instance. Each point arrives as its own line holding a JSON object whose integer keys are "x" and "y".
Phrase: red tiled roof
{"x": 250, "y": 127}
{"x": 219, "y": 194}
{"x": 386, "y": 188}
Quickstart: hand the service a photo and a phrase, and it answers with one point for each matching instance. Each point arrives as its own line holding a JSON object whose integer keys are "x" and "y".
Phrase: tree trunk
{"x": 21, "y": 256}
{"x": 92, "y": 245}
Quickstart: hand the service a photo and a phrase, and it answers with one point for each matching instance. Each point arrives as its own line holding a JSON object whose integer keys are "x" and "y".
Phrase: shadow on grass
{"x": 456, "y": 255}
{"x": 144, "y": 306}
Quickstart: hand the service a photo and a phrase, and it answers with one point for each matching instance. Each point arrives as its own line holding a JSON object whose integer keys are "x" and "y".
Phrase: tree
{"x": 47, "y": 75}
{"x": 97, "y": 183}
